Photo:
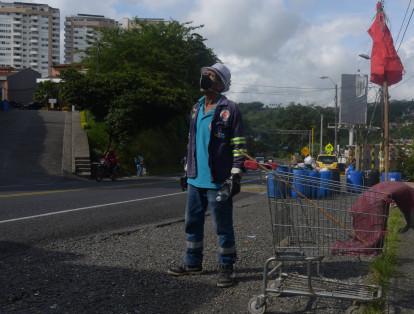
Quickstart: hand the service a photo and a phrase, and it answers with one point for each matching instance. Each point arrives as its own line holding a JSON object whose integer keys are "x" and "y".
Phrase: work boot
{"x": 226, "y": 276}
{"x": 183, "y": 270}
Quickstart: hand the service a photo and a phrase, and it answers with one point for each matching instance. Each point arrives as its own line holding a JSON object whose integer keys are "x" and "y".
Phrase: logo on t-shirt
{"x": 225, "y": 115}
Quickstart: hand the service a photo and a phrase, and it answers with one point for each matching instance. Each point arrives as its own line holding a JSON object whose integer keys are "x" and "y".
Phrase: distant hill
{"x": 263, "y": 122}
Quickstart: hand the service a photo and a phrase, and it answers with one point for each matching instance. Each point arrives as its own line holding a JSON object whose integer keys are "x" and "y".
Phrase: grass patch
{"x": 383, "y": 267}
{"x": 84, "y": 119}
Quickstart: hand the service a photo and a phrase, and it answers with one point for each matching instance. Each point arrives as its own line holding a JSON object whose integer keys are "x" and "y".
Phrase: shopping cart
{"x": 315, "y": 217}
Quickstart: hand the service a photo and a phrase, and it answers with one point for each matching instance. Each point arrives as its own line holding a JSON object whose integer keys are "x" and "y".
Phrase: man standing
{"x": 215, "y": 157}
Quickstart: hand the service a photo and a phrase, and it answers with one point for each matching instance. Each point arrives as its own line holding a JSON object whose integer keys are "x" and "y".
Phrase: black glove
{"x": 183, "y": 182}
{"x": 235, "y": 184}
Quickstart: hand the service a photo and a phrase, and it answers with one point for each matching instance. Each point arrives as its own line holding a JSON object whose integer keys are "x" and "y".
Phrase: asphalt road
{"x": 70, "y": 208}
{"x": 73, "y": 208}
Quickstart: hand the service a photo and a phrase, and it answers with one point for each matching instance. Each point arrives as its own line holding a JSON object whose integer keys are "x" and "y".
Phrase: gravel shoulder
{"x": 125, "y": 272}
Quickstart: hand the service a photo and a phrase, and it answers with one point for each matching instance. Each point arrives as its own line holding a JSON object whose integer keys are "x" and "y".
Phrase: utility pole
{"x": 386, "y": 131}
{"x": 336, "y": 118}
{"x": 321, "y": 145}
{"x": 336, "y": 110}
{"x": 313, "y": 136}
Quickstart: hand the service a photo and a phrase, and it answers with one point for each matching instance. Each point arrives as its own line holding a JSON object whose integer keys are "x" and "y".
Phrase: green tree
{"x": 141, "y": 80}
{"x": 262, "y": 126}
{"x": 74, "y": 88}
{"x": 151, "y": 75}
{"x": 46, "y": 90}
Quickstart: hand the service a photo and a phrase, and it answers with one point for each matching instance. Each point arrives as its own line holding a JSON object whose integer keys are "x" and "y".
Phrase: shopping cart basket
{"x": 314, "y": 217}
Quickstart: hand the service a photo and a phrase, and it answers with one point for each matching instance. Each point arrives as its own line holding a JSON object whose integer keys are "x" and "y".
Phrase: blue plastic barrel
{"x": 325, "y": 185}
{"x": 272, "y": 186}
{"x": 283, "y": 169}
{"x": 300, "y": 183}
{"x": 336, "y": 176}
{"x": 276, "y": 188}
{"x": 314, "y": 183}
{"x": 354, "y": 180}
{"x": 392, "y": 176}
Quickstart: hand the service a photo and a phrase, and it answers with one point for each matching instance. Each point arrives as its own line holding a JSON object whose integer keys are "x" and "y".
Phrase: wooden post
{"x": 386, "y": 132}
{"x": 313, "y": 140}
{"x": 321, "y": 140}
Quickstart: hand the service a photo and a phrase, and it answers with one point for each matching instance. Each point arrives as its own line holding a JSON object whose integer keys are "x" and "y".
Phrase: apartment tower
{"x": 127, "y": 23}
{"x": 81, "y": 31}
{"x": 29, "y": 36}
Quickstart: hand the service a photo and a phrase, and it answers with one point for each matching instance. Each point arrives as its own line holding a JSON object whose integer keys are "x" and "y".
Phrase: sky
{"x": 277, "y": 50}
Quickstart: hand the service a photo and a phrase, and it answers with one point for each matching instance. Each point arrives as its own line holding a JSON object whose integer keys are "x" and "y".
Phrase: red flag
{"x": 385, "y": 62}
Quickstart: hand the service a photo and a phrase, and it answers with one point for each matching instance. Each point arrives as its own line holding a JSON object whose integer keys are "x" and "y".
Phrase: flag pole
{"x": 386, "y": 131}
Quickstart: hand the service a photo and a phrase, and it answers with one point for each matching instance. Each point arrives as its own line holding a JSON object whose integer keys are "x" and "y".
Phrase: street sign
{"x": 329, "y": 148}
{"x": 305, "y": 151}
{"x": 52, "y": 101}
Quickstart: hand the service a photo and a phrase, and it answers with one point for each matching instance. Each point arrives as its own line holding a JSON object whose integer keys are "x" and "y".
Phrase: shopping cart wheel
{"x": 257, "y": 305}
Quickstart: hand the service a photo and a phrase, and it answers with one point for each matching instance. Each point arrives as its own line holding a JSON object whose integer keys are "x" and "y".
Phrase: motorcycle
{"x": 103, "y": 170}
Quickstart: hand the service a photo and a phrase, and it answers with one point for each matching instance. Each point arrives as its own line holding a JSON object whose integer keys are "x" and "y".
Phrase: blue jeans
{"x": 139, "y": 170}
{"x": 198, "y": 199}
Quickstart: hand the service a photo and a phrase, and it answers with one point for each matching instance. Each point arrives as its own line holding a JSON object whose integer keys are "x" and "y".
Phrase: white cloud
{"x": 267, "y": 42}
{"x": 403, "y": 90}
{"x": 267, "y": 45}
{"x": 155, "y": 4}
{"x": 246, "y": 28}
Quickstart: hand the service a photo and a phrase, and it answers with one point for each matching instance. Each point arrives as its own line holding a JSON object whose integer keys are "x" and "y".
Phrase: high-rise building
{"x": 29, "y": 36}
{"x": 81, "y": 31}
{"x": 127, "y": 23}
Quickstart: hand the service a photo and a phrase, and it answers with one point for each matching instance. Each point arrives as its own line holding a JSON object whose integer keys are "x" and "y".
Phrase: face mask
{"x": 205, "y": 82}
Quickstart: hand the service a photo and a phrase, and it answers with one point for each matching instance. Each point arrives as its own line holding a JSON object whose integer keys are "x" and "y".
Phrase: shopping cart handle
{"x": 254, "y": 165}
{"x": 251, "y": 165}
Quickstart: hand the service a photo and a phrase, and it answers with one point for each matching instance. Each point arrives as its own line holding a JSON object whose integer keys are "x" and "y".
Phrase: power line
{"x": 293, "y": 92}
{"x": 406, "y": 27}
{"x": 285, "y": 87}
{"x": 403, "y": 82}
{"x": 287, "y": 93}
{"x": 402, "y": 24}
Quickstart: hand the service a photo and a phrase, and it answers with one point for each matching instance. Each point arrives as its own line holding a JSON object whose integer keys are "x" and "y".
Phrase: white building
{"x": 29, "y": 36}
{"x": 127, "y": 23}
{"x": 81, "y": 31}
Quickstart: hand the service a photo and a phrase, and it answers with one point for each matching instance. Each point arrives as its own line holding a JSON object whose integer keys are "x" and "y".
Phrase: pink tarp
{"x": 369, "y": 217}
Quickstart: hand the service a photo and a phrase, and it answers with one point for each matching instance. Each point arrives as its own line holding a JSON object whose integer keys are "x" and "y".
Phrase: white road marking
{"x": 87, "y": 207}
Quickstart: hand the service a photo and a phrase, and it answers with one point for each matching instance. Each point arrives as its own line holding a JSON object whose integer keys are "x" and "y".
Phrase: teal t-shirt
{"x": 203, "y": 130}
